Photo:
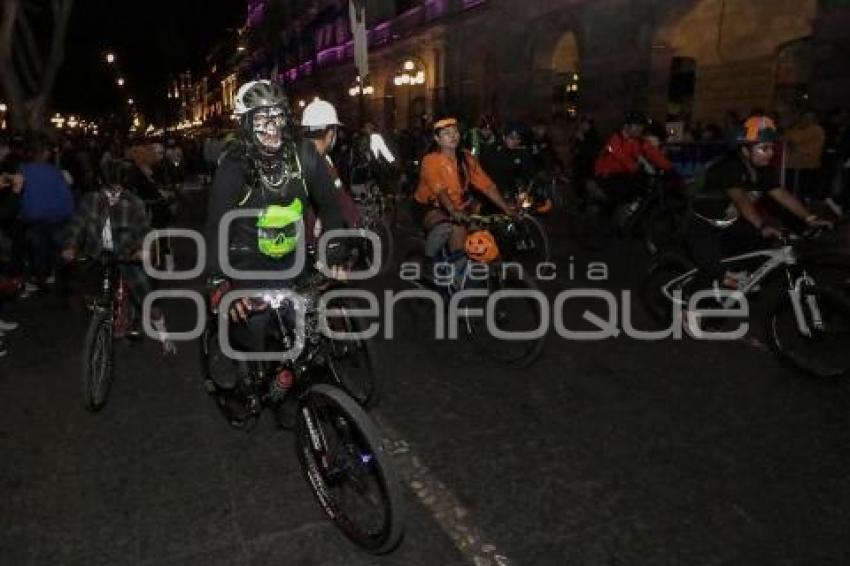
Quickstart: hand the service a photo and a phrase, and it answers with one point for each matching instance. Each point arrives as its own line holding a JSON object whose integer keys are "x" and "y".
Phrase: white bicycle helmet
{"x": 318, "y": 115}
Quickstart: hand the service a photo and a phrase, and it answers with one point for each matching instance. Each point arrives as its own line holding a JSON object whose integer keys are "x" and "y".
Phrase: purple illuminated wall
{"x": 379, "y": 35}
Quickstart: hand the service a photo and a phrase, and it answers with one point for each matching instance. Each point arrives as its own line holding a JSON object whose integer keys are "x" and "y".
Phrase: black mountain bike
{"x": 377, "y": 210}
{"x": 506, "y": 289}
{"x": 656, "y": 218}
{"x": 339, "y": 448}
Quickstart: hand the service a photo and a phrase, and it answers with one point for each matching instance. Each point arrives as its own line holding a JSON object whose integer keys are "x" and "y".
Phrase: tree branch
{"x": 27, "y": 75}
{"x": 29, "y": 43}
{"x": 61, "y": 14}
{"x": 8, "y": 16}
{"x": 11, "y": 87}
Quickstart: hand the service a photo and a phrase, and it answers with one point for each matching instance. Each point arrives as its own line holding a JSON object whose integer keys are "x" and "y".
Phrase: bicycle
{"x": 656, "y": 217}
{"x": 809, "y": 326}
{"x": 515, "y": 310}
{"x": 521, "y": 239}
{"x": 111, "y": 319}
{"x": 338, "y": 446}
{"x": 378, "y": 213}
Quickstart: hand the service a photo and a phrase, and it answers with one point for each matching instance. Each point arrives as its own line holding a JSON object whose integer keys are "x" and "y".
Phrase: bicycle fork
{"x": 795, "y": 294}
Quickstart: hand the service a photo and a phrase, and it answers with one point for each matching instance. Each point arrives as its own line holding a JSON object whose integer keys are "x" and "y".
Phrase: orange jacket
{"x": 439, "y": 173}
{"x": 620, "y": 156}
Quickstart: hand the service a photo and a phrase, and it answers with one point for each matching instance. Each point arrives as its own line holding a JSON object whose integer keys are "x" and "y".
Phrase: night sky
{"x": 153, "y": 39}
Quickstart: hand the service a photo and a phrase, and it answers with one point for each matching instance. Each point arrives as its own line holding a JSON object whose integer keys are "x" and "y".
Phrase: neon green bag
{"x": 277, "y": 233}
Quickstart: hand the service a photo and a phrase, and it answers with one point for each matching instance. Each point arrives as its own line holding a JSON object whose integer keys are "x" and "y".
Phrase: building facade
{"x": 529, "y": 59}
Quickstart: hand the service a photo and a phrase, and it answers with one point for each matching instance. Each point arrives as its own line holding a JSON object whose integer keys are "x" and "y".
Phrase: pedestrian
{"x": 46, "y": 206}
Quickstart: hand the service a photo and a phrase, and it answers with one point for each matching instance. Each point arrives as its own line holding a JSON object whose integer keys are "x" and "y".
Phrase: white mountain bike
{"x": 809, "y": 327}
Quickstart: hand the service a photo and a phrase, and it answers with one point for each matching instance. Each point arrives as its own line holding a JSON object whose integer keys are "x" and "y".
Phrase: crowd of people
{"x": 52, "y": 191}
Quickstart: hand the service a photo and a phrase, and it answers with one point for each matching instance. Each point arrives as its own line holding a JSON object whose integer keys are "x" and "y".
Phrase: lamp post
{"x": 411, "y": 73}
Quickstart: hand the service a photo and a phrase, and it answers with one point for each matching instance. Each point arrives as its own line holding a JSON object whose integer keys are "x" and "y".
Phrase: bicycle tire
{"x": 98, "y": 361}
{"x": 370, "y": 458}
{"x": 491, "y": 346}
{"x": 826, "y": 354}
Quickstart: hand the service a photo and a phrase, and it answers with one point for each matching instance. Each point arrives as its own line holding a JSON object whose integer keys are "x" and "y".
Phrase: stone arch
{"x": 554, "y": 51}
{"x": 403, "y": 103}
{"x": 565, "y": 56}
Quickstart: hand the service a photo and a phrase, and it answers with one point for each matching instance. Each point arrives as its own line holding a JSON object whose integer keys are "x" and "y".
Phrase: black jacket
{"x": 236, "y": 186}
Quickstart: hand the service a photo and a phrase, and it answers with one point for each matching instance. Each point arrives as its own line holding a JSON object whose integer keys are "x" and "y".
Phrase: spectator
{"x": 46, "y": 207}
{"x": 541, "y": 148}
{"x": 509, "y": 164}
{"x": 588, "y": 144}
{"x": 213, "y": 146}
{"x": 8, "y": 212}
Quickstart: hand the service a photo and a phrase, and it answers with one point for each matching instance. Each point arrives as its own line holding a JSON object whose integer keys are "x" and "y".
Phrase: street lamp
{"x": 110, "y": 58}
{"x": 410, "y": 74}
{"x": 130, "y": 101}
{"x": 361, "y": 89}
{"x": 3, "y": 107}
{"x": 120, "y": 82}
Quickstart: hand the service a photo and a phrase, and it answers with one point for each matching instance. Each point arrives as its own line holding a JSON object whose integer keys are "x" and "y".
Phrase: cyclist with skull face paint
{"x": 265, "y": 169}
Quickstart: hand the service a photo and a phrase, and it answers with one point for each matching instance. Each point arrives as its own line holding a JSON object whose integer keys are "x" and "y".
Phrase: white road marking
{"x": 447, "y": 510}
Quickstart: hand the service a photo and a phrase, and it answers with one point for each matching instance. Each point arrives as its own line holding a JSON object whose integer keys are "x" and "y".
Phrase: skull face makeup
{"x": 113, "y": 194}
{"x": 268, "y": 126}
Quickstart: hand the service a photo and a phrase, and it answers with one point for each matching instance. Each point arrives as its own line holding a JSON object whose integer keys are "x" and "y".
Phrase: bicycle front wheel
{"x": 814, "y": 335}
{"x": 656, "y": 287}
{"x": 351, "y": 475}
{"x": 506, "y": 325}
{"x": 532, "y": 242}
{"x": 98, "y": 361}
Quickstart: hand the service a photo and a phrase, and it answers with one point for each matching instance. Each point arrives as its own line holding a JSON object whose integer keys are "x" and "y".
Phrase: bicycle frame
{"x": 774, "y": 259}
{"x": 114, "y": 294}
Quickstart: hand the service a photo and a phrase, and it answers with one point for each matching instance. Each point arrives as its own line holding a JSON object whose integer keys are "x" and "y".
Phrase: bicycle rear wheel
{"x": 351, "y": 475}
{"x": 815, "y": 338}
{"x": 510, "y": 328}
{"x": 98, "y": 361}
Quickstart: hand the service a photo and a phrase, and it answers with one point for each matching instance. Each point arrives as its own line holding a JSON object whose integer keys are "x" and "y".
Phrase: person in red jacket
{"x": 625, "y": 158}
